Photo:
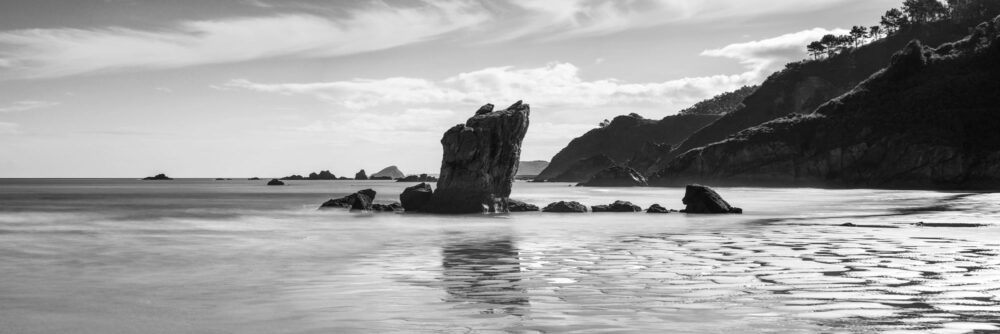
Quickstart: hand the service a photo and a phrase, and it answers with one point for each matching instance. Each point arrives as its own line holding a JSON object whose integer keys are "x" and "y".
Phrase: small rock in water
{"x": 656, "y": 208}
{"x": 617, "y": 206}
{"x": 413, "y": 198}
{"x": 518, "y": 206}
{"x": 275, "y": 182}
{"x": 158, "y": 177}
{"x": 563, "y": 206}
{"x": 361, "y": 200}
{"x": 702, "y": 199}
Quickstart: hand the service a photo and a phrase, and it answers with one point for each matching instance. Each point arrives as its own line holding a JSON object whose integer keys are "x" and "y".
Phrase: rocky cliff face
{"x": 928, "y": 120}
{"x": 802, "y": 87}
{"x": 621, "y": 140}
{"x": 480, "y": 161}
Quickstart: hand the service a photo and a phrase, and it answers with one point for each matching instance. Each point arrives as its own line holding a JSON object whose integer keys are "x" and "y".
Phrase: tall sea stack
{"x": 480, "y": 161}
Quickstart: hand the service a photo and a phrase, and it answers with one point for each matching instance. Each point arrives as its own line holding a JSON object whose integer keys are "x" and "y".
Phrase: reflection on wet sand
{"x": 485, "y": 274}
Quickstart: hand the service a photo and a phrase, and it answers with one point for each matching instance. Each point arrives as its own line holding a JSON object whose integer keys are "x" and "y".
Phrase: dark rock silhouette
{"x": 322, "y": 175}
{"x": 616, "y": 176}
{"x": 617, "y": 206}
{"x": 415, "y": 197}
{"x": 417, "y": 178}
{"x": 361, "y": 200}
{"x": 294, "y": 177}
{"x": 518, "y": 206}
{"x": 158, "y": 177}
{"x": 479, "y": 163}
{"x": 563, "y": 206}
{"x": 388, "y": 173}
{"x": 702, "y": 199}
{"x": 391, "y": 207}
{"x": 275, "y": 182}
{"x": 254, "y": 179}
{"x": 656, "y": 208}
{"x": 928, "y": 120}
{"x": 361, "y": 175}
{"x": 620, "y": 141}
{"x": 584, "y": 169}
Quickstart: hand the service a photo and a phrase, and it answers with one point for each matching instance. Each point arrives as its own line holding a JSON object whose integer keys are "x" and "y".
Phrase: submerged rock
{"x": 479, "y": 163}
{"x": 563, "y": 206}
{"x": 617, "y": 206}
{"x": 702, "y": 199}
{"x": 158, "y": 177}
{"x": 391, "y": 207}
{"x": 518, "y": 206}
{"x": 656, "y": 208}
{"x": 616, "y": 176}
{"x": 361, "y": 200}
{"x": 275, "y": 182}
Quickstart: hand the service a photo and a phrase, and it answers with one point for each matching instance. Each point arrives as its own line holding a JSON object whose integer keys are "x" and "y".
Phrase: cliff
{"x": 928, "y": 120}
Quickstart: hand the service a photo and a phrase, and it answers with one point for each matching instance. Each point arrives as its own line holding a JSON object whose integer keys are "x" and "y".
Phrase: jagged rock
{"x": 275, "y": 182}
{"x": 518, "y": 206}
{"x": 617, "y": 206}
{"x": 293, "y": 177}
{"x": 485, "y": 109}
{"x": 616, "y": 176}
{"x": 361, "y": 175}
{"x": 702, "y": 199}
{"x": 563, "y": 206}
{"x": 388, "y": 173}
{"x": 656, "y": 208}
{"x": 415, "y": 197}
{"x": 480, "y": 160}
{"x": 392, "y": 207}
{"x": 361, "y": 200}
{"x": 158, "y": 177}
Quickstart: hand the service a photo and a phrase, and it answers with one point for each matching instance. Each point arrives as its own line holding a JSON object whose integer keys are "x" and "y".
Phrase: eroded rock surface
{"x": 702, "y": 199}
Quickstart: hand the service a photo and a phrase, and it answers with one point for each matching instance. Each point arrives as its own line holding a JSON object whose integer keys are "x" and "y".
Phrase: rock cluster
{"x": 479, "y": 162}
{"x": 617, "y": 206}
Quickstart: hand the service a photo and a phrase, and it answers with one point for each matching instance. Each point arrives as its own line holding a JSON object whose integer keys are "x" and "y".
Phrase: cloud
{"x": 9, "y": 128}
{"x": 43, "y": 53}
{"x": 763, "y": 57}
{"x": 27, "y": 105}
{"x": 557, "y": 85}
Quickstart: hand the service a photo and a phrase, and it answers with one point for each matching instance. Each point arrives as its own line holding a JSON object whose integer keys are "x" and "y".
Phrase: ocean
{"x": 206, "y": 256}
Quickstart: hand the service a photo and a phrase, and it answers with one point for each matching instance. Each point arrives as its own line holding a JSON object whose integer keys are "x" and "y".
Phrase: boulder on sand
{"x": 702, "y": 199}
{"x": 275, "y": 182}
{"x": 616, "y": 176}
{"x": 563, "y": 206}
{"x": 617, "y": 206}
{"x": 415, "y": 197}
{"x": 480, "y": 161}
{"x": 361, "y": 200}
{"x": 518, "y": 206}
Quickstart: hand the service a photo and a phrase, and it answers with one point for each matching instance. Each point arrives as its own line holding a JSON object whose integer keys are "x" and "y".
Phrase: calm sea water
{"x": 204, "y": 256}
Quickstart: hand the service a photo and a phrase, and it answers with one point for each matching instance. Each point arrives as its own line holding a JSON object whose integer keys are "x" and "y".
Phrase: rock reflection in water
{"x": 485, "y": 274}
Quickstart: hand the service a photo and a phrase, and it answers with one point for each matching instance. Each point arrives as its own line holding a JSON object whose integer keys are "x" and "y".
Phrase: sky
{"x": 240, "y": 88}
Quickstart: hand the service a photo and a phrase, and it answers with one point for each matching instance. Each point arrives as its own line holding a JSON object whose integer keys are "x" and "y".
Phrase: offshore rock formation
{"x": 702, "y": 199}
{"x": 617, "y": 206}
{"x": 361, "y": 200}
{"x": 518, "y": 206}
{"x": 322, "y": 175}
{"x": 480, "y": 161}
{"x": 275, "y": 182}
{"x": 415, "y": 197}
{"x": 616, "y": 176}
{"x": 656, "y": 208}
{"x": 417, "y": 178}
{"x": 158, "y": 177}
{"x": 361, "y": 175}
{"x": 620, "y": 140}
{"x": 928, "y": 120}
{"x": 563, "y": 206}
{"x": 388, "y": 173}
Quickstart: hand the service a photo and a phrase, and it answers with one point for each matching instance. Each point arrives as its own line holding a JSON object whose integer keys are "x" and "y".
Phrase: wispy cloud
{"x": 41, "y": 53}
{"x": 27, "y": 105}
{"x": 763, "y": 57}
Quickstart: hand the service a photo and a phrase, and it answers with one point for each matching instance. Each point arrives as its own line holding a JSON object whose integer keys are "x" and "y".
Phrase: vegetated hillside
{"x": 531, "y": 168}
{"x": 803, "y": 86}
{"x": 721, "y": 104}
{"x": 621, "y": 139}
{"x": 928, "y": 120}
